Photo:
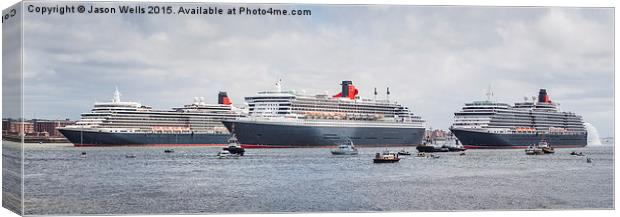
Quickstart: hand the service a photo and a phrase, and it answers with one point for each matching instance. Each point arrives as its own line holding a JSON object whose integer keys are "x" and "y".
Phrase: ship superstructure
{"x": 289, "y": 119}
{"x": 489, "y": 124}
{"x": 130, "y": 123}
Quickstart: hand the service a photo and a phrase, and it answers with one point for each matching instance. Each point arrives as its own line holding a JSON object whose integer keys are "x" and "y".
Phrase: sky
{"x": 433, "y": 58}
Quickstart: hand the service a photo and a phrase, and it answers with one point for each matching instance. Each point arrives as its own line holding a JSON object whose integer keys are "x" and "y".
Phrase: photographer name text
{"x": 165, "y": 10}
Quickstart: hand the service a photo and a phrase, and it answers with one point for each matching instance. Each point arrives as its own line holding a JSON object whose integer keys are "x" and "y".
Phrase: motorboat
{"x": 225, "y": 154}
{"x": 346, "y": 148}
{"x": 386, "y": 157}
{"x": 534, "y": 150}
{"x": 404, "y": 152}
{"x": 580, "y": 154}
{"x": 426, "y": 155}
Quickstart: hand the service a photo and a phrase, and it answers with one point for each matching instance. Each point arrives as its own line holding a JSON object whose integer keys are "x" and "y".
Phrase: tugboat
{"x": 345, "y": 149}
{"x": 234, "y": 147}
{"x": 426, "y": 148}
{"x": 456, "y": 146}
{"x": 545, "y": 147}
{"x": 386, "y": 157}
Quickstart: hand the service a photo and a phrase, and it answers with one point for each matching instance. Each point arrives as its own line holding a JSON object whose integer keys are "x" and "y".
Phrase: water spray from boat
{"x": 593, "y": 136}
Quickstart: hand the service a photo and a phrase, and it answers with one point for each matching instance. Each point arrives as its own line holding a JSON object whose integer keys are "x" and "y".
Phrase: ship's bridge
{"x": 117, "y": 105}
{"x": 486, "y": 105}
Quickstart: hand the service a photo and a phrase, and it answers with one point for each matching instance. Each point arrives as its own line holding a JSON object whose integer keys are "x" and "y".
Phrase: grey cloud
{"x": 434, "y": 59}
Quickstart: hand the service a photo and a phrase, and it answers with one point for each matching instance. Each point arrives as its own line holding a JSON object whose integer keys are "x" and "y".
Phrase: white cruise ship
{"x": 130, "y": 123}
{"x": 488, "y": 124}
{"x": 289, "y": 119}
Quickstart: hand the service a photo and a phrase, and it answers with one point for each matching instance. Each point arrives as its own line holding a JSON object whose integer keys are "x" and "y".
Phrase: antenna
{"x": 388, "y": 94}
{"x": 375, "y": 94}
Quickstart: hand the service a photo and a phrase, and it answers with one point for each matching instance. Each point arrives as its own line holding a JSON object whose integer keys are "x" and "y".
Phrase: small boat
{"x": 462, "y": 154}
{"x": 588, "y": 160}
{"x": 83, "y": 154}
{"x": 224, "y": 154}
{"x": 169, "y": 151}
{"x": 580, "y": 154}
{"x": 345, "y": 149}
{"x": 386, "y": 157}
{"x": 534, "y": 150}
{"x": 426, "y": 155}
{"x": 234, "y": 147}
{"x": 404, "y": 152}
{"x": 130, "y": 156}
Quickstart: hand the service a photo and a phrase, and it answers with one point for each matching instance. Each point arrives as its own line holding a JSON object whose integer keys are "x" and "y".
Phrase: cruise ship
{"x": 284, "y": 119}
{"x": 488, "y": 124}
{"x": 118, "y": 123}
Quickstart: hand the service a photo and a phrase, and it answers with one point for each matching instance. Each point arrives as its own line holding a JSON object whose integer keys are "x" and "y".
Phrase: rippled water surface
{"x": 193, "y": 180}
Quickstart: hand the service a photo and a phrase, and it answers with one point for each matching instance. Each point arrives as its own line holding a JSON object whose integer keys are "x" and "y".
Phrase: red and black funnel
{"x": 542, "y": 96}
{"x": 222, "y": 98}
{"x": 348, "y": 90}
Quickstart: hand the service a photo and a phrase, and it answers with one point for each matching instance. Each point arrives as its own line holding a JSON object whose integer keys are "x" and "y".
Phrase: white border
{"x": 565, "y": 3}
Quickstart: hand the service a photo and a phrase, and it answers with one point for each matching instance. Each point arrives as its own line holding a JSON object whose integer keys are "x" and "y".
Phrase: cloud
{"x": 434, "y": 59}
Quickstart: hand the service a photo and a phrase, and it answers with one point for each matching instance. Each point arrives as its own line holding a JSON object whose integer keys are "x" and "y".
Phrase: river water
{"x": 192, "y": 180}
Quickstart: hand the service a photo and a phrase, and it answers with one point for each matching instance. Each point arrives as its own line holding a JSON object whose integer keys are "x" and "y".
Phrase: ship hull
{"x": 474, "y": 139}
{"x": 95, "y": 138}
{"x": 253, "y": 134}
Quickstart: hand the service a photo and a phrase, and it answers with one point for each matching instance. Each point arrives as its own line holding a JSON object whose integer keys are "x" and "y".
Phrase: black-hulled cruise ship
{"x": 118, "y": 123}
{"x": 488, "y": 124}
{"x": 281, "y": 119}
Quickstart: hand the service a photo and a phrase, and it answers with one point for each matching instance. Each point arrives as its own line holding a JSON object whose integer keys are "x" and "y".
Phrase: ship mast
{"x": 279, "y": 85}
{"x": 489, "y": 94}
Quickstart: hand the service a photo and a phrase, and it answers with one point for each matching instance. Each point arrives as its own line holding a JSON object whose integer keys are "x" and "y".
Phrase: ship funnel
{"x": 542, "y": 96}
{"x": 222, "y": 98}
{"x": 348, "y": 90}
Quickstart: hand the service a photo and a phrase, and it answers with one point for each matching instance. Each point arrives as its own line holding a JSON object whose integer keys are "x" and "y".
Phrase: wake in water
{"x": 593, "y": 137}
